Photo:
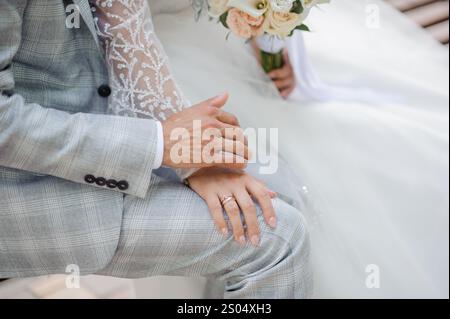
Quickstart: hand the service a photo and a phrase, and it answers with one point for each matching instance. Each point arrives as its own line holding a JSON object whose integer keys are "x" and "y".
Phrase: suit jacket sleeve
{"x": 69, "y": 146}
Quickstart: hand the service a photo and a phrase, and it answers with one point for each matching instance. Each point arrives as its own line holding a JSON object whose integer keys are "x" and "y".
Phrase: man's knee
{"x": 283, "y": 257}
{"x": 291, "y": 232}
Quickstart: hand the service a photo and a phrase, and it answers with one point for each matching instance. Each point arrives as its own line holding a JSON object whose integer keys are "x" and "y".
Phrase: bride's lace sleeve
{"x": 140, "y": 77}
{"x": 141, "y": 80}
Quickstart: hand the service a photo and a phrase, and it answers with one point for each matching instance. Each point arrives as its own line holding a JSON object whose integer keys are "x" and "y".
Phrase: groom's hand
{"x": 203, "y": 136}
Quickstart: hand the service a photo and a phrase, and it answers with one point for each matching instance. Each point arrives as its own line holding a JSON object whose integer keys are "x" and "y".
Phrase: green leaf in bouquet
{"x": 223, "y": 19}
{"x": 302, "y": 27}
{"x": 297, "y": 7}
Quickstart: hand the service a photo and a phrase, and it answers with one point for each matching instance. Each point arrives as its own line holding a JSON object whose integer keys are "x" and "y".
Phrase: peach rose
{"x": 256, "y": 24}
{"x": 244, "y": 25}
{"x": 238, "y": 25}
{"x": 282, "y": 23}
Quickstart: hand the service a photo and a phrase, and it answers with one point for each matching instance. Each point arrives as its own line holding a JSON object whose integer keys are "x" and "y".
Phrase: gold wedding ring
{"x": 227, "y": 199}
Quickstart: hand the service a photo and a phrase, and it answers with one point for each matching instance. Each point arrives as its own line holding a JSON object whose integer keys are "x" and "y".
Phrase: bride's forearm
{"x": 142, "y": 82}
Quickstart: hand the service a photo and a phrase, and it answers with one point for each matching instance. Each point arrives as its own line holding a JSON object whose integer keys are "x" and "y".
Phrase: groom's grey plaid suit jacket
{"x": 55, "y": 137}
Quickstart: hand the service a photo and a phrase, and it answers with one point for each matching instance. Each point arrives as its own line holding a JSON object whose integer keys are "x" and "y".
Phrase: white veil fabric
{"x": 168, "y": 6}
{"x": 311, "y": 87}
{"x": 376, "y": 167}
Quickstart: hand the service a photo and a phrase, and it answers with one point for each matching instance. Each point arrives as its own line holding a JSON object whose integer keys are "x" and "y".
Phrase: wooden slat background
{"x": 430, "y": 14}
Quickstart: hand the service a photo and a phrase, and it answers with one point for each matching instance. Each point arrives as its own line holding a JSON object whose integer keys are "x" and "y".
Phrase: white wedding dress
{"x": 376, "y": 169}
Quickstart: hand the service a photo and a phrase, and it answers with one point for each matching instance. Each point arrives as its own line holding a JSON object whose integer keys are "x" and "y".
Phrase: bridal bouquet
{"x": 268, "y": 21}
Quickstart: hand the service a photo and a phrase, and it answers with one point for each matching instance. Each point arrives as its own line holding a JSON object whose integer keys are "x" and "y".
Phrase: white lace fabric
{"x": 140, "y": 77}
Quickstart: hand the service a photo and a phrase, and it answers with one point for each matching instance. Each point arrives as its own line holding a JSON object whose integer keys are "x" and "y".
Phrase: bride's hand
{"x": 214, "y": 185}
{"x": 284, "y": 78}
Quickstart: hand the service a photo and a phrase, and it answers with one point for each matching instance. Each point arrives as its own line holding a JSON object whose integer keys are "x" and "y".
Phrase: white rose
{"x": 282, "y": 23}
{"x": 255, "y": 8}
{"x": 282, "y": 5}
{"x": 308, "y": 4}
{"x": 217, "y": 7}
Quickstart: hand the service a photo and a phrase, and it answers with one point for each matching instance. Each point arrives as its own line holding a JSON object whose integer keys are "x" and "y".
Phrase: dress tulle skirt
{"x": 374, "y": 171}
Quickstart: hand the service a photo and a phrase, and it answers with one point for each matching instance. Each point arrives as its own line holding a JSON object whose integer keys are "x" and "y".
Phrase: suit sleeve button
{"x": 123, "y": 185}
{"x": 104, "y": 90}
{"x": 100, "y": 181}
{"x": 112, "y": 183}
{"x": 90, "y": 179}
